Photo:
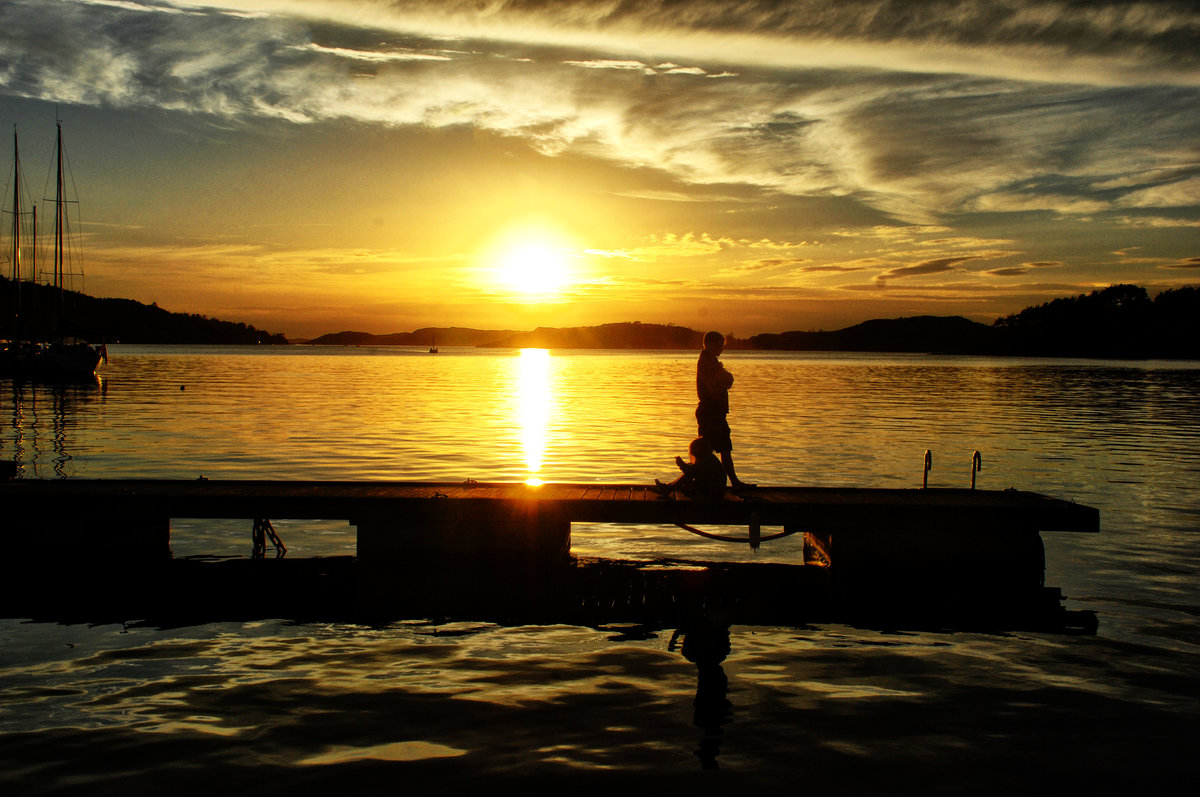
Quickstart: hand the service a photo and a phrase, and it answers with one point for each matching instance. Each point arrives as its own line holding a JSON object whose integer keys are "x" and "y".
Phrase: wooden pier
{"x": 480, "y": 518}
{"x": 493, "y": 543}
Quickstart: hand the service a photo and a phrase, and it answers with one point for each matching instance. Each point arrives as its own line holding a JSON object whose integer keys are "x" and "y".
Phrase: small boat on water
{"x": 52, "y": 354}
{"x": 433, "y": 349}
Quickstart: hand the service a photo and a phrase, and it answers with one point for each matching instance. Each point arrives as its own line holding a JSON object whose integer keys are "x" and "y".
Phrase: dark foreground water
{"x": 274, "y": 704}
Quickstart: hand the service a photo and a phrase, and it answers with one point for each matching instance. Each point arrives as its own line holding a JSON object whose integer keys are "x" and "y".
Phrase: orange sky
{"x": 316, "y": 166}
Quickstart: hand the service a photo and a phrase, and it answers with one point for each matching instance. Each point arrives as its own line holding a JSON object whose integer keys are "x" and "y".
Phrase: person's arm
{"x": 726, "y": 378}
{"x": 716, "y": 378}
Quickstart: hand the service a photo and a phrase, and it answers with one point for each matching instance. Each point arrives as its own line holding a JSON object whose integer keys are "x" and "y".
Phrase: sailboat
{"x": 63, "y": 356}
{"x": 433, "y": 349}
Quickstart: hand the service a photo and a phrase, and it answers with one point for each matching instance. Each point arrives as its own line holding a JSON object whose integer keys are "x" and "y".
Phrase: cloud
{"x": 916, "y": 111}
{"x": 763, "y": 265}
{"x": 906, "y": 233}
{"x": 1175, "y": 194}
{"x": 1054, "y": 40}
{"x": 366, "y": 55}
{"x": 612, "y": 64}
{"x": 130, "y": 5}
{"x": 676, "y": 196}
{"x": 1021, "y": 203}
{"x": 1024, "y": 268}
{"x": 836, "y": 268}
{"x": 1190, "y": 264}
{"x": 937, "y": 266}
{"x": 670, "y": 245}
{"x": 1155, "y": 222}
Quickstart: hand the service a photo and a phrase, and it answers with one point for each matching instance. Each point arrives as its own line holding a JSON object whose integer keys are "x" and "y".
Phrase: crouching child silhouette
{"x": 703, "y": 476}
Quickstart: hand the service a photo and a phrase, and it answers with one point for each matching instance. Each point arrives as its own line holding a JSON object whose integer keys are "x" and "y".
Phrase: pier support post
{"x": 926, "y": 562}
{"x": 453, "y": 551}
{"x": 449, "y": 531}
{"x": 92, "y": 538}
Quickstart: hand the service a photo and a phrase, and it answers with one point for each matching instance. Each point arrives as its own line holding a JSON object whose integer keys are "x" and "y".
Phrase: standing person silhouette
{"x": 712, "y": 388}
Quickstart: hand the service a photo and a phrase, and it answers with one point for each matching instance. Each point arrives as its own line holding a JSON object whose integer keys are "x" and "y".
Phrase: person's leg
{"x": 734, "y": 481}
{"x": 665, "y": 488}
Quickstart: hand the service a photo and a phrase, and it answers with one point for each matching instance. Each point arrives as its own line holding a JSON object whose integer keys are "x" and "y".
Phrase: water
{"x": 273, "y": 704}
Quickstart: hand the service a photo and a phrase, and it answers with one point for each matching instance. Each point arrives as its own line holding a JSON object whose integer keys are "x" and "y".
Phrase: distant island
{"x": 1120, "y": 321}
{"x": 115, "y": 320}
{"x": 630, "y": 335}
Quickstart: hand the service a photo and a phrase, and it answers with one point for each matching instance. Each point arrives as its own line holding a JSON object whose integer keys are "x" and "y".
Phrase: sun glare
{"x": 532, "y": 263}
{"x": 536, "y": 399}
{"x": 533, "y": 268}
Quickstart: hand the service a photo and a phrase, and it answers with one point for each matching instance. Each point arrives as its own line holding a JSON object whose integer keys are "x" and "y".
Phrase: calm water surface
{"x": 305, "y": 703}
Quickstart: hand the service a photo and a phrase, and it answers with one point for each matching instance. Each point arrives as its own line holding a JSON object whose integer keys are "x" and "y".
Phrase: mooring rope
{"x": 725, "y": 538}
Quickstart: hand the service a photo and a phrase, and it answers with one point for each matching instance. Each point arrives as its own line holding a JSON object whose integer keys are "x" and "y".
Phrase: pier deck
{"x": 810, "y": 508}
{"x": 482, "y": 519}
{"x": 456, "y": 547}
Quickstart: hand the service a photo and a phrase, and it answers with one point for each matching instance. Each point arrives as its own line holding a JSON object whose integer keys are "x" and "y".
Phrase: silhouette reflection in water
{"x": 706, "y": 644}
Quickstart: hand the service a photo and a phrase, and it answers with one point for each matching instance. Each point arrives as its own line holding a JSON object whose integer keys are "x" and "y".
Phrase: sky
{"x": 312, "y": 166}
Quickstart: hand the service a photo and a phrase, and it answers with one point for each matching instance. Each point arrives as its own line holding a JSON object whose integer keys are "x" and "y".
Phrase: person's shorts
{"x": 714, "y": 429}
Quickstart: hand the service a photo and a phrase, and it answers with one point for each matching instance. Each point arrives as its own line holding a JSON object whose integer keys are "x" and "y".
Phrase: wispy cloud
{"x": 974, "y": 100}
{"x": 1156, "y": 222}
{"x": 374, "y": 56}
{"x": 938, "y": 266}
{"x": 130, "y": 5}
{"x": 1190, "y": 264}
{"x": 1174, "y": 194}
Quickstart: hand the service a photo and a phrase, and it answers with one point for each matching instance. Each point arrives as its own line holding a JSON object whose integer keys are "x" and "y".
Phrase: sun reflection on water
{"x": 534, "y": 406}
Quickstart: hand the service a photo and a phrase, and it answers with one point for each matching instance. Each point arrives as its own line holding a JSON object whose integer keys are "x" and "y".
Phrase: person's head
{"x": 714, "y": 341}
{"x": 699, "y": 448}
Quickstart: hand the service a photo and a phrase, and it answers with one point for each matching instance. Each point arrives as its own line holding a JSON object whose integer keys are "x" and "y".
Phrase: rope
{"x": 725, "y": 538}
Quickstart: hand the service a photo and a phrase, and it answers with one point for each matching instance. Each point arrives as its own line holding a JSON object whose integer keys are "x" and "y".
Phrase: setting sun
{"x": 533, "y": 268}
{"x": 531, "y": 262}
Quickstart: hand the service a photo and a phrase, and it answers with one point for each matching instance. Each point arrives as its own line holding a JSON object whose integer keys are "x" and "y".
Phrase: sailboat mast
{"x": 16, "y": 236}
{"x": 58, "y": 218}
{"x": 16, "y": 233}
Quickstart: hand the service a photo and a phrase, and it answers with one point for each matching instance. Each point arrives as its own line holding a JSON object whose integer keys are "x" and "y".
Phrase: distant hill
{"x": 115, "y": 320}
{"x": 1120, "y": 321}
{"x": 630, "y": 335}
{"x": 443, "y": 336}
{"x": 942, "y": 334}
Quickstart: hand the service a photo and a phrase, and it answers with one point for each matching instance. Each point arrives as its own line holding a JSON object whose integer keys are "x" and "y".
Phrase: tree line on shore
{"x": 46, "y": 315}
{"x": 1120, "y": 321}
